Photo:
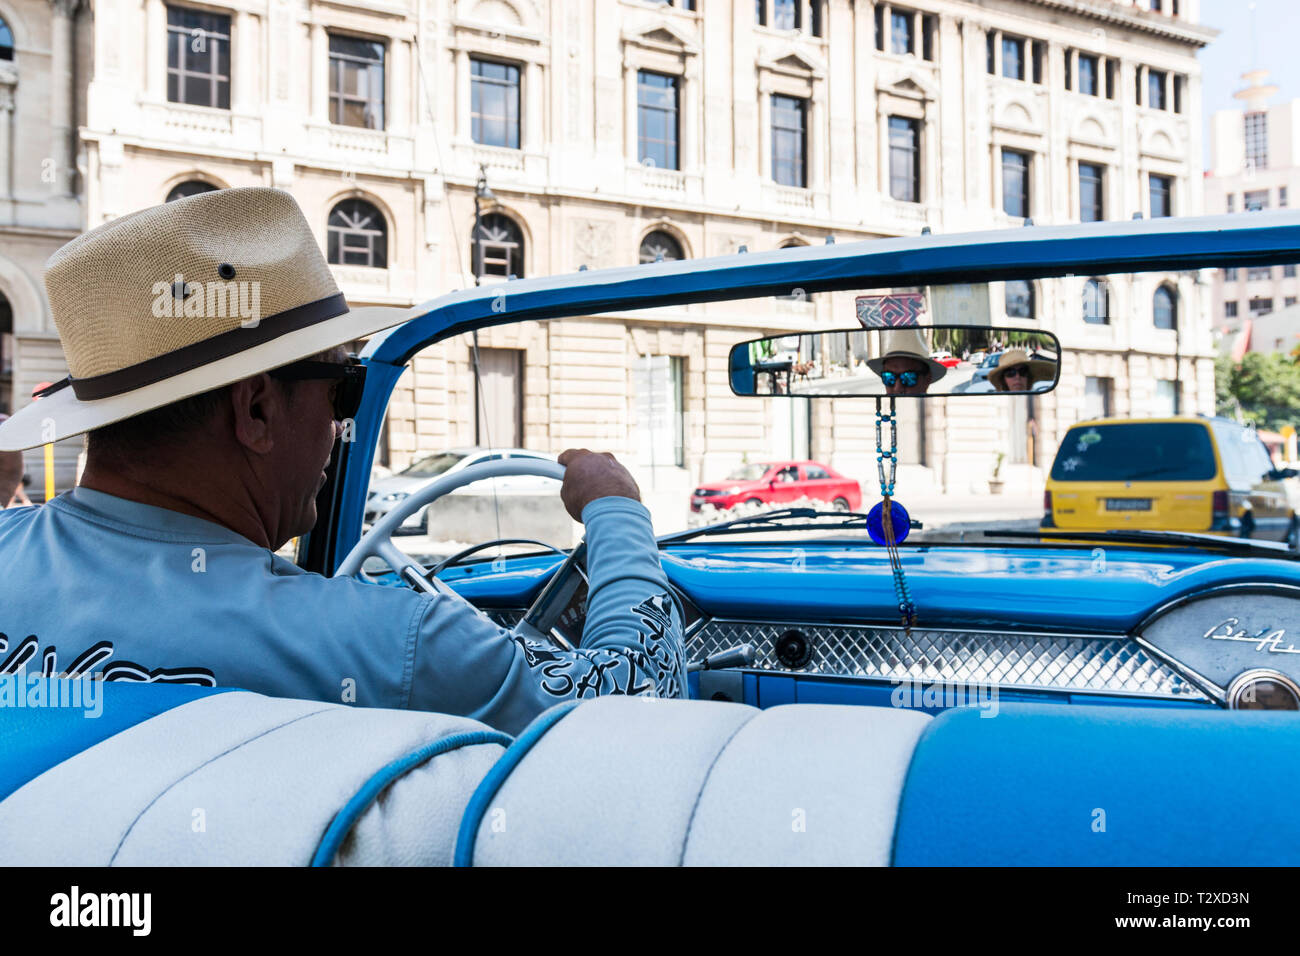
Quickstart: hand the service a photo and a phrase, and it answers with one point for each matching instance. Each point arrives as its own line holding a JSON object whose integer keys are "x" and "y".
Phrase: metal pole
{"x": 476, "y": 253}
{"x": 1178, "y": 378}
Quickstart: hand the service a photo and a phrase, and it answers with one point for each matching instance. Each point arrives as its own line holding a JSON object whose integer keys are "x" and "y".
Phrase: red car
{"x": 779, "y": 483}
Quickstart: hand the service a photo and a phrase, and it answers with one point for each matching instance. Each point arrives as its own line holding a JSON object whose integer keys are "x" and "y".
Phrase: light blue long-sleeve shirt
{"x": 95, "y": 584}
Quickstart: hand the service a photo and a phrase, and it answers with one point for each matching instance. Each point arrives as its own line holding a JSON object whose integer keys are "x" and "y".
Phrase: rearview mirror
{"x": 914, "y": 361}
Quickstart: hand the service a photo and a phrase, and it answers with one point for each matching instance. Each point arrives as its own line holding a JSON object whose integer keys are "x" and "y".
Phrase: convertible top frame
{"x": 1026, "y": 253}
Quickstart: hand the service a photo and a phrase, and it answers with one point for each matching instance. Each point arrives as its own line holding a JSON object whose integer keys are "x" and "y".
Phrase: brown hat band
{"x": 190, "y": 357}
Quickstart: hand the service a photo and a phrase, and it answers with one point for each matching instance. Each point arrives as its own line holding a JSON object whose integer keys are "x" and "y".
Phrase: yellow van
{"x": 1170, "y": 474}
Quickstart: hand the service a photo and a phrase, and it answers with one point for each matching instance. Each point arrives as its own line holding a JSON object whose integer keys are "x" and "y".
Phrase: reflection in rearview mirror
{"x": 912, "y": 361}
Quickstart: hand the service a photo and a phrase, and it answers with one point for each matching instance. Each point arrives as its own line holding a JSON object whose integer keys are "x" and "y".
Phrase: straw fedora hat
{"x": 1040, "y": 370}
{"x": 906, "y": 343}
{"x": 182, "y": 298}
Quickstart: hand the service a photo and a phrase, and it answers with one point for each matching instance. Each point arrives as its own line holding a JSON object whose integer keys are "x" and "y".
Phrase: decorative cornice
{"x": 1142, "y": 21}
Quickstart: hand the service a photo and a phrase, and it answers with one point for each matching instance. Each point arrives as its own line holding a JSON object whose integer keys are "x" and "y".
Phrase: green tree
{"x": 1266, "y": 388}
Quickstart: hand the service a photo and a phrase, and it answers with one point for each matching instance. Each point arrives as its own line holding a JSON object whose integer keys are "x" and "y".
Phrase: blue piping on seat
{"x": 488, "y": 787}
{"x": 346, "y": 818}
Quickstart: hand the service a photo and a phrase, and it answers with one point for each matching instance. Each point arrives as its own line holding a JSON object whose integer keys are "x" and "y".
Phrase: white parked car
{"x": 386, "y": 493}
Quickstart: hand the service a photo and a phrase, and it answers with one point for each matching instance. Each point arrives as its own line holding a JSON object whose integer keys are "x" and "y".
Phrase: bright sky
{"x": 1272, "y": 46}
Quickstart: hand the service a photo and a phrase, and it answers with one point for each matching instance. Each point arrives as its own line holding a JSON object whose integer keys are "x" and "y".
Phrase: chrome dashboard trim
{"x": 1111, "y": 664}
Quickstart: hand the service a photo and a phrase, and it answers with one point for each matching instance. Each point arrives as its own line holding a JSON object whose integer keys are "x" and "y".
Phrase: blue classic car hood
{"x": 1106, "y": 590}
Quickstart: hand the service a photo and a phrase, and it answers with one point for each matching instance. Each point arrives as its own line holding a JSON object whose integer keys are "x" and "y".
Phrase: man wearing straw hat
{"x": 906, "y": 367}
{"x": 204, "y": 339}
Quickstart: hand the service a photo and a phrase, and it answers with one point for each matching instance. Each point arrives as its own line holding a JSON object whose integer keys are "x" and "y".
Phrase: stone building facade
{"x": 607, "y": 132}
{"x": 1254, "y": 166}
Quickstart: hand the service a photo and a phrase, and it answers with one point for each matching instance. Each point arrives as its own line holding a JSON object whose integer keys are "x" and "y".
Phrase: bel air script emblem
{"x": 1268, "y": 641}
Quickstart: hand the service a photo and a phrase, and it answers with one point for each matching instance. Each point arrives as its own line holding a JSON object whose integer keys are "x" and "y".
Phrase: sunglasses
{"x": 889, "y": 378}
{"x": 351, "y": 378}
{"x": 1020, "y": 371}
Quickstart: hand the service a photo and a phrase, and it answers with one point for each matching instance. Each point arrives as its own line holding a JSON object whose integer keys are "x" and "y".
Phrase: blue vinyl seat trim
{"x": 1034, "y": 786}
{"x": 35, "y": 738}
{"x": 346, "y": 818}
{"x": 488, "y": 787}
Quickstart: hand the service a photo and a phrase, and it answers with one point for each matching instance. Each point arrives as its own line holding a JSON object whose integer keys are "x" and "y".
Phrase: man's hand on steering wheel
{"x": 589, "y": 475}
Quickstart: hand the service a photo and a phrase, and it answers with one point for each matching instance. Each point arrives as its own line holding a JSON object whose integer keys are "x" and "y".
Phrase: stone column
{"x": 631, "y": 152}
{"x": 62, "y": 95}
{"x": 818, "y": 117}
{"x": 155, "y": 49}
{"x": 531, "y": 107}
{"x": 6, "y": 139}
{"x": 244, "y": 75}
{"x": 399, "y": 85}
{"x": 320, "y": 65}
{"x": 690, "y": 155}
{"x": 463, "y": 102}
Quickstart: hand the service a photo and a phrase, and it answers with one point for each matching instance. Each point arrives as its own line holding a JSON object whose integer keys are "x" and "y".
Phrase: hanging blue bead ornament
{"x": 902, "y": 524}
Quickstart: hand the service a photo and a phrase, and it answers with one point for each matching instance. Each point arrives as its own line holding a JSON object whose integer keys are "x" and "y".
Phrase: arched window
{"x": 358, "y": 235}
{"x": 1096, "y": 302}
{"x": 660, "y": 245}
{"x": 6, "y": 42}
{"x": 191, "y": 187}
{"x": 497, "y": 249}
{"x": 1164, "y": 308}
{"x": 1019, "y": 299}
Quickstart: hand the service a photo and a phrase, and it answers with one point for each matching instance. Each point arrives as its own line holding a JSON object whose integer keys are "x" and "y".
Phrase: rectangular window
{"x": 1166, "y": 401}
{"x": 1288, "y": 271}
{"x": 1162, "y": 194}
{"x": 992, "y": 38}
{"x": 1281, "y": 197}
{"x": 1178, "y": 92}
{"x": 1137, "y": 85}
{"x": 1015, "y": 183}
{"x": 760, "y": 13}
{"x": 785, "y": 14}
{"x": 494, "y": 103}
{"x": 904, "y": 168}
{"x": 1229, "y": 310}
{"x": 1013, "y": 58}
{"x": 198, "y": 58}
{"x": 1230, "y": 274}
{"x": 1038, "y": 51}
{"x": 356, "y": 82}
{"x": 815, "y": 15}
{"x": 1256, "y": 136}
{"x": 1110, "y": 79}
{"x": 660, "y": 410}
{"x": 1288, "y": 302}
{"x": 1096, "y": 397}
{"x": 1091, "y": 180}
{"x": 1088, "y": 74}
{"x": 1156, "y": 89}
{"x": 789, "y": 140}
{"x": 1261, "y": 306}
{"x": 900, "y": 33}
{"x": 656, "y": 120}
{"x": 1255, "y": 200}
{"x": 1231, "y": 202}
{"x": 1259, "y": 273}
{"x": 880, "y": 26}
{"x": 1068, "y": 76}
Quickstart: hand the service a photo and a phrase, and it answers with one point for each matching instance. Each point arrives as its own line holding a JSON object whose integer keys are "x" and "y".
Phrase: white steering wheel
{"x": 378, "y": 541}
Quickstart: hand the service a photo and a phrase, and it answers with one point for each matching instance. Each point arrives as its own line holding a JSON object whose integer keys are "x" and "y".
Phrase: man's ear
{"x": 258, "y": 404}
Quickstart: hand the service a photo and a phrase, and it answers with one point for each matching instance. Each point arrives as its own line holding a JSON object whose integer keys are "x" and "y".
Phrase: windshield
{"x": 431, "y": 466}
{"x": 748, "y": 473}
{"x": 1163, "y": 451}
{"x": 653, "y": 388}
